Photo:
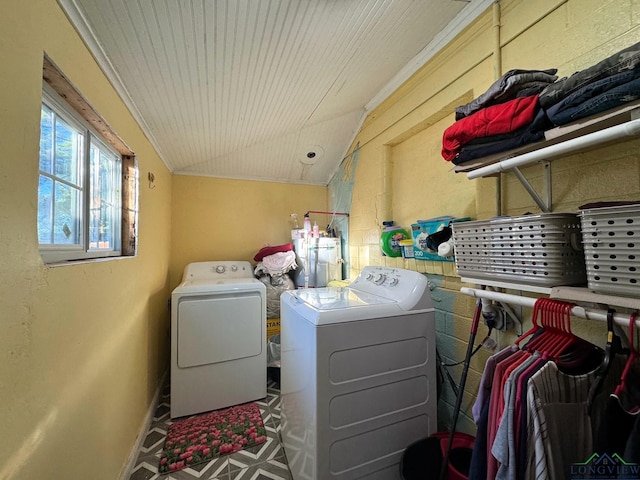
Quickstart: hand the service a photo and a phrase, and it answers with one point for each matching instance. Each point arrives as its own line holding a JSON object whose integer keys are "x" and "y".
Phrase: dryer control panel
{"x": 216, "y": 270}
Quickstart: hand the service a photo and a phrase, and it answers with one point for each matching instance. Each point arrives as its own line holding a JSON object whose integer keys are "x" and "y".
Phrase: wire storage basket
{"x": 541, "y": 250}
{"x": 611, "y": 239}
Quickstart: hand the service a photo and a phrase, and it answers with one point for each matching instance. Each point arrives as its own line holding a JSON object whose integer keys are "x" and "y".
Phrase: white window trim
{"x": 74, "y": 109}
{"x": 57, "y": 253}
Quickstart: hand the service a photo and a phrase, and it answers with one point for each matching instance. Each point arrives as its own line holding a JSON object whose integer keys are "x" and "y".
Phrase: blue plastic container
{"x": 423, "y": 228}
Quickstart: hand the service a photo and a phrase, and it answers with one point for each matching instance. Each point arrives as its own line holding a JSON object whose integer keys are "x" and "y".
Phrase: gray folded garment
{"x": 506, "y": 88}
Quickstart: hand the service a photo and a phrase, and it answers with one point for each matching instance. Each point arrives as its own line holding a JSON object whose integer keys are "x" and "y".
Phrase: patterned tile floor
{"x": 262, "y": 462}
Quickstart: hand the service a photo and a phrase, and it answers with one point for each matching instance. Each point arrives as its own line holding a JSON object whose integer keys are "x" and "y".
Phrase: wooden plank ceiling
{"x": 247, "y": 88}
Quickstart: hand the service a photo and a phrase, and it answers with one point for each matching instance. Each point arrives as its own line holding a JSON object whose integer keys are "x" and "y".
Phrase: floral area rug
{"x": 204, "y": 437}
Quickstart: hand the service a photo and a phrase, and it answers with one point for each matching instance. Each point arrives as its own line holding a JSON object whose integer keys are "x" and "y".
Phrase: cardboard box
{"x": 273, "y": 327}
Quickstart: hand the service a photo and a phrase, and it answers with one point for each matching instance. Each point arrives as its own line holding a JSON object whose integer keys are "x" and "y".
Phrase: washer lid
{"x": 331, "y": 305}
{"x": 334, "y": 298}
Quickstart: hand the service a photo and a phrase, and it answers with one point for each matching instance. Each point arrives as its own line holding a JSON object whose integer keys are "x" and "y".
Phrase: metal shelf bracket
{"x": 543, "y": 203}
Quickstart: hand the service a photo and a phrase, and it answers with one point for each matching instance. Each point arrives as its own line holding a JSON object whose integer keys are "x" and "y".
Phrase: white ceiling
{"x": 247, "y": 88}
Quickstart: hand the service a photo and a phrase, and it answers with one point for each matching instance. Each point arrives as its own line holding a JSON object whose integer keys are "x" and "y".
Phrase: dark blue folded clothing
{"x": 485, "y": 146}
{"x": 597, "y": 97}
{"x": 627, "y": 59}
{"x": 471, "y": 152}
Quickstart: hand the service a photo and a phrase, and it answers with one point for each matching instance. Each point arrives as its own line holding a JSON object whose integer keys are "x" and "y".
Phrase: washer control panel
{"x": 382, "y": 276}
{"x": 404, "y": 286}
{"x": 217, "y": 270}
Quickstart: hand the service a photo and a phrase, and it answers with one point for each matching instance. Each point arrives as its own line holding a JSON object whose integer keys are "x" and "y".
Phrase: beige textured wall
{"x": 82, "y": 347}
{"x": 223, "y": 219}
{"x": 402, "y": 174}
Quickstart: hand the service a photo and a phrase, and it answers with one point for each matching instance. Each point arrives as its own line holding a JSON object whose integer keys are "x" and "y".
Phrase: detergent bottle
{"x": 307, "y": 226}
{"x": 390, "y": 239}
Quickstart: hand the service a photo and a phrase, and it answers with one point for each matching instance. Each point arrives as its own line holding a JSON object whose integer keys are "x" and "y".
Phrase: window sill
{"x": 83, "y": 261}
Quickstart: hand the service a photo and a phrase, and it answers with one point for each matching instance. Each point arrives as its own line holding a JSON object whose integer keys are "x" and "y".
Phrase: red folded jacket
{"x": 494, "y": 120}
{"x": 270, "y": 250}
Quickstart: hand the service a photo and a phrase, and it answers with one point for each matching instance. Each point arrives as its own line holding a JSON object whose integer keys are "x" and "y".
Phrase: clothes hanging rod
{"x": 578, "y": 311}
{"x": 627, "y": 129}
{"x": 327, "y": 213}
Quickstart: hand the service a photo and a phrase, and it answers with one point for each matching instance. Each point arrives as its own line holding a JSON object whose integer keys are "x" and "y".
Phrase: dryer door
{"x": 218, "y": 328}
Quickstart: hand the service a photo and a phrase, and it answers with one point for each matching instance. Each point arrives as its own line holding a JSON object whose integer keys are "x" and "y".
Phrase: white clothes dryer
{"x": 218, "y": 338}
{"x": 358, "y": 375}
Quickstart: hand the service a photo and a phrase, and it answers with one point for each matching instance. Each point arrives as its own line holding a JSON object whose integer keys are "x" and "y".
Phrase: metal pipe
{"x": 387, "y": 185}
{"x": 578, "y": 311}
{"x": 497, "y": 73}
{"x": 627, "y": 129}
{"x": 497, "y": 57}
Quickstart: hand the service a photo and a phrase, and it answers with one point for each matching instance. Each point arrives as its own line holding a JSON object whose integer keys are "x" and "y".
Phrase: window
{"x": 86, "y": 193}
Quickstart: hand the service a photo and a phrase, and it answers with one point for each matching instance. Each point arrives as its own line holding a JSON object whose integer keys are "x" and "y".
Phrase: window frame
{"x": 65, "y": 101}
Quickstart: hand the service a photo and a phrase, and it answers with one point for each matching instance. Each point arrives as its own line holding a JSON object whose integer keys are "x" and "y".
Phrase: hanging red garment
{"x": 494, "y": 120}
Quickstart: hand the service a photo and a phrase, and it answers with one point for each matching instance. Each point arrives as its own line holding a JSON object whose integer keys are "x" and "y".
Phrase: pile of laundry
{"x": 520, "y": 106}
{"x": 274, "y": 264}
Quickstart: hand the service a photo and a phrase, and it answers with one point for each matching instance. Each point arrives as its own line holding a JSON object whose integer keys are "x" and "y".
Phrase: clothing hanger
{"x": 553, "y": 339}
{"x": 537, "y": 306}
{"x": 612, "y": 347}
{"x": 580, "y": 357}
{"x": 625, "y": 393}
{"x": 548, "y": 342}
{"x": 565, "y": 337}
{"x": 633, "y": 354}
{"x": 563, "y": 325}
{"x": 556, "y": 333}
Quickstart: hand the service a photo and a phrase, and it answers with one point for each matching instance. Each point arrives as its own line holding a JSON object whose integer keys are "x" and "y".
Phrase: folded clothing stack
{"x": 507, "y": 115}
{"x": 609, "y": 83}
{"x": 522, "y": 104}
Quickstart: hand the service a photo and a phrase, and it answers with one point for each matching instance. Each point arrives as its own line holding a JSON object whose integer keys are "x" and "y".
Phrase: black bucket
{"x": 423, "y": 459}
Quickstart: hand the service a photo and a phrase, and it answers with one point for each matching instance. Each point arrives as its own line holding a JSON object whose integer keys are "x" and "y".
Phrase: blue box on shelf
{"x": 421, "y": 230}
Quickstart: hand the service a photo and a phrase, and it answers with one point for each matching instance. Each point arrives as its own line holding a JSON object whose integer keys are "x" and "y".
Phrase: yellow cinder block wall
{"x": 226, "y": 219}
{"x": 82, "y": 347}
{"x": 402, "y": 174}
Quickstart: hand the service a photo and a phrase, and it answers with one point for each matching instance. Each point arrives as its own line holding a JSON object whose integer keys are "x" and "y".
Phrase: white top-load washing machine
{"x": 218, "y": 338}
{"x": 358, "y": 375}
